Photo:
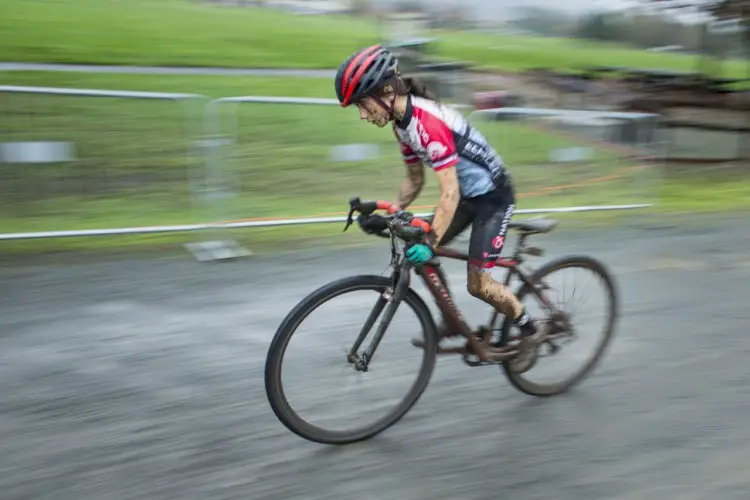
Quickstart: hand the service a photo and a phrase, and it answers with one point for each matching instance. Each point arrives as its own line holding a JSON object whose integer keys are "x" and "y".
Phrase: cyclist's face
{"x": 373, "y": 112}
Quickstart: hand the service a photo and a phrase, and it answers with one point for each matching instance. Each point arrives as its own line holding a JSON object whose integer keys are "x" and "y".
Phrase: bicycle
{"x": 396, "y": 290}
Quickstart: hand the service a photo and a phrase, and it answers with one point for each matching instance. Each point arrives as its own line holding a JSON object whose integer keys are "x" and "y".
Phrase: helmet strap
{"x": 388, "y": 108}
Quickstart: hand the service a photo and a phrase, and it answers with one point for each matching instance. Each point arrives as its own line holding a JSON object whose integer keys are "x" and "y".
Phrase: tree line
{"x": 641, "y": 29}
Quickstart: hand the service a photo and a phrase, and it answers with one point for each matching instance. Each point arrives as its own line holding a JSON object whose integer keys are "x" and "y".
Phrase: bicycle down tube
{"x": 435, "y": 283}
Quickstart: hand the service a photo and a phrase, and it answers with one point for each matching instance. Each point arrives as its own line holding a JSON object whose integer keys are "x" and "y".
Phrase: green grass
{"x": 174, "y": 32}
{"x": 196, "y": 33}
{"x": 131, "y": 163}
{"x": 515, "y": 53}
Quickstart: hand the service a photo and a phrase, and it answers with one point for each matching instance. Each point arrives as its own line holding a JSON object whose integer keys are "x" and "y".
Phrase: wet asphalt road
{"x": 143, "y": 380}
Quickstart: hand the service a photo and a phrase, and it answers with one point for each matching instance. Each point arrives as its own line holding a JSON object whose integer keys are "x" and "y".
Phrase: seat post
{"x": 519, "y": 246}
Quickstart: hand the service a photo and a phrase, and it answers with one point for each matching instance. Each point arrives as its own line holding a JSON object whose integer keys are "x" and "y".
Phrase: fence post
{"x": 229, "y": 248}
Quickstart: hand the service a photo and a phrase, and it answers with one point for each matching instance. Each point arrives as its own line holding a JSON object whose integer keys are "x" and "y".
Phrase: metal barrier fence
{"x": 94, "y": 164}
{"x": 279, "y": 150}
{"x": 68, "y": 159}
{"x": 569, "y": 158}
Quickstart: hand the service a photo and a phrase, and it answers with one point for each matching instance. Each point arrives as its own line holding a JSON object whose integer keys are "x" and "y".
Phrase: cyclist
{"x": 475, "y": 187}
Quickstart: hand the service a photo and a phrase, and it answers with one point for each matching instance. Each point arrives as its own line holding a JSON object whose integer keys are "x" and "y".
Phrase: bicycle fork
{"x": 392, "y": 297}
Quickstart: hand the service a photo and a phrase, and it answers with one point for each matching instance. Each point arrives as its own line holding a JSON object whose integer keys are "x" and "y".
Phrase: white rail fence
{"x": 211, "y": 189}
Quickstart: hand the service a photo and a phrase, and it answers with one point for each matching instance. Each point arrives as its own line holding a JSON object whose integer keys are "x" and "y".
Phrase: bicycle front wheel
{"x": 376, "y": 291}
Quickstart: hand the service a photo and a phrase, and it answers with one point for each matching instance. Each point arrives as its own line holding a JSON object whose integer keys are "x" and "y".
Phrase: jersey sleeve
{"x": 409, "y": 156}
{"x": 437, "y": 140}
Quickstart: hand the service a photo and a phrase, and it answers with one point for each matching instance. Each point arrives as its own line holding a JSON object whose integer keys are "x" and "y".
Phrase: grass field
{"x": 196, "y": 33}
{"x": 131, "y": 163}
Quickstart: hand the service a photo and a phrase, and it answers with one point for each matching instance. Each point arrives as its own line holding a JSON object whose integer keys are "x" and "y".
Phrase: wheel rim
{"x": 556, "y": 381}
{"x": 380, "y": 413}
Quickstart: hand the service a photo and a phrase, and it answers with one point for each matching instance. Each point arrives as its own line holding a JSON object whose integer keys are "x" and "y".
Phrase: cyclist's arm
{"x": 450, "y": 195}
{"x": 411, "y": 185}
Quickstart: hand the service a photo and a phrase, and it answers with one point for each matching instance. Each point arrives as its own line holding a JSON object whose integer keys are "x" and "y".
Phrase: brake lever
{"x": 349, "y": 219}
{"x": 354, "y": 204}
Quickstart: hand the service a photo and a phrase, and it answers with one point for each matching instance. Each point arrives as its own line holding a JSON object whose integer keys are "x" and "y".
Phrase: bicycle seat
{"x": 534, "y": 225}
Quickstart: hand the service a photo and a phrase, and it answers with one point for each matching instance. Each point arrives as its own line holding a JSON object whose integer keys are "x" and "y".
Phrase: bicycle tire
{"x": 543, "y": 390}
{"x": 273, "y": 385}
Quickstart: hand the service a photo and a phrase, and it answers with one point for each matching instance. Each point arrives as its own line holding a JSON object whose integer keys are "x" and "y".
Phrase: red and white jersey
{"x": 441, "y": 137}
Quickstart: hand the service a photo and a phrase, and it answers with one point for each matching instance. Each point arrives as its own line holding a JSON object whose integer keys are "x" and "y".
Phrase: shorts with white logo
{"x": 488, "y": 215}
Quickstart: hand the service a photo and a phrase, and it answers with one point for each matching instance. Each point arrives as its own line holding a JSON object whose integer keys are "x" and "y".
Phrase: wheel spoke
{"x": 544, "y": 274}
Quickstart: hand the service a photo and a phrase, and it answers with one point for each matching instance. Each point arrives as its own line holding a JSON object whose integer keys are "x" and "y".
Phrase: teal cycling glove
{"x": 419, "y": 253}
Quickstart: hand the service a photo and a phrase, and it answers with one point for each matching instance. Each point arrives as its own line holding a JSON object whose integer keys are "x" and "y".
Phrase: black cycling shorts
{"x": 488, "y": 215}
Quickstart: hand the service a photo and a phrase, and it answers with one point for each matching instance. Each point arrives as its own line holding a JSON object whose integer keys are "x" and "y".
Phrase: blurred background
{"x": 662, "y": 86}
{"x": 143, "y": 142}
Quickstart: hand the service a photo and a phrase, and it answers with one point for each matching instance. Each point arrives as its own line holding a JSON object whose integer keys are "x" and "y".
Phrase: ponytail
{"x": 409, "y": 85}
{"x": 417, "y": 88}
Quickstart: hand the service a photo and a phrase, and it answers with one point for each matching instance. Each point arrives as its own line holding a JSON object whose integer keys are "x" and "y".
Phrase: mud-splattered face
{"x": 373, "y": 112}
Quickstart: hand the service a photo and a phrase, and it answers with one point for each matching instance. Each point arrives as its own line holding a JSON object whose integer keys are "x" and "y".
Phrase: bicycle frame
{"x": 432, "y": 275}
{"x": 436, "y": 283}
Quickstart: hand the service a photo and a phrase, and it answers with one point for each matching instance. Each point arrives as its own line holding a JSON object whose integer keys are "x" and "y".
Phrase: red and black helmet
{"x": 364, "y": 73}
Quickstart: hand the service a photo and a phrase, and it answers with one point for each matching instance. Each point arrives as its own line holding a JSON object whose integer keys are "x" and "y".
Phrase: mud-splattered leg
{"x": 481, "y": 285}
{"x": 487, "y": 241}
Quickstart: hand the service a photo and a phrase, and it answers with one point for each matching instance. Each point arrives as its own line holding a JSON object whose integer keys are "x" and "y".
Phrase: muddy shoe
{"x": 528, "y": 347}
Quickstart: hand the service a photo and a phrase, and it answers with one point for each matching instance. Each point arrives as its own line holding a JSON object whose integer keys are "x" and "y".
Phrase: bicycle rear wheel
{"x": 273, "y": 370}
{"x": 612, "y": 310}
